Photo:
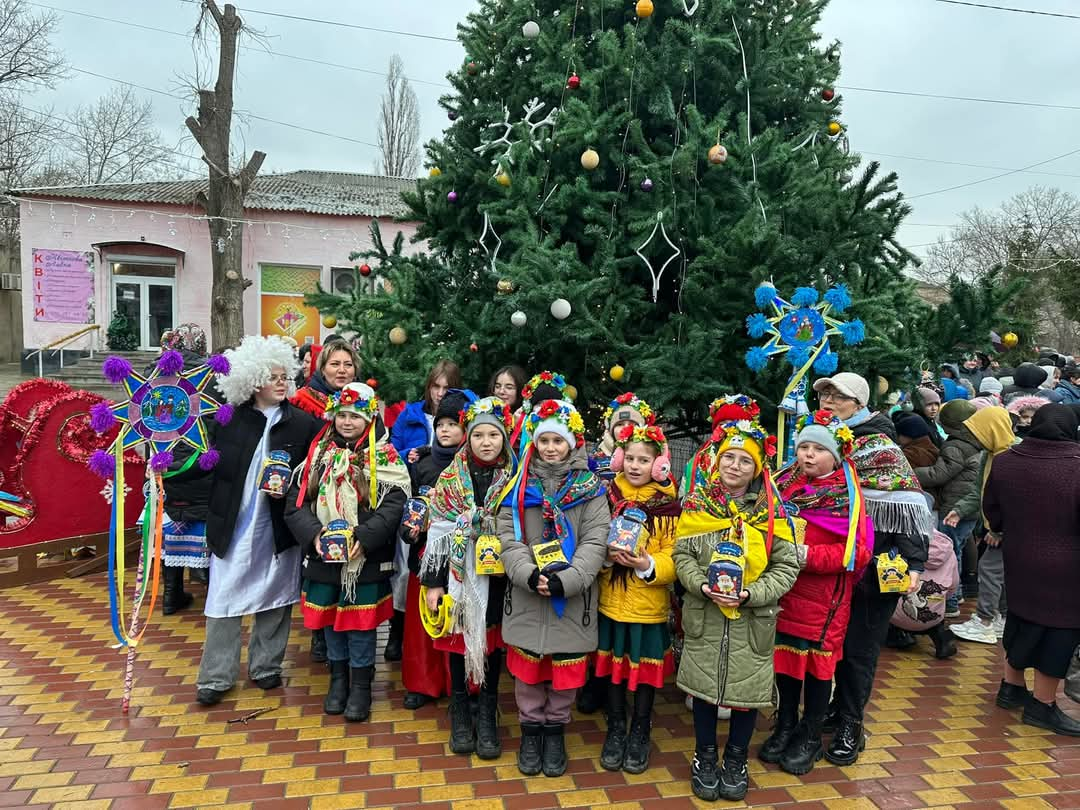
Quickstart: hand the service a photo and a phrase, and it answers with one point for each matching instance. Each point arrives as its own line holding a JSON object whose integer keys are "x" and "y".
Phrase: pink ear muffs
{"x": 617, "y": 460}
{"x": 661, "y": 467}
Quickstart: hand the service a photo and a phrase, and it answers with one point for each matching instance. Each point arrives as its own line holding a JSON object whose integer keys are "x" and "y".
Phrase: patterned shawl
{"x": 457, "y": 520}
{"x": 894, "y": 498}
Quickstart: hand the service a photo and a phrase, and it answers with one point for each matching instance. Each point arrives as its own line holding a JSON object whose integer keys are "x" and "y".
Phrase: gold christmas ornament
{"x": 503, "y": 179}
{"x": 570, "y": 393}
{"x": 718, "y": 154}
{"x": 835, "y": 128}
{"x": 435, "y": 171}
{"x": 1010, "y": 340}
{"x": 617, "y": 373}
{"x": 644, "y": 8}
{"x": 398, "y": 336}
{"x": 329, "y": 321}
{"x": 882, "y": 386}
{"x": 590, "y": 159}
{"x": 505, "y": 286}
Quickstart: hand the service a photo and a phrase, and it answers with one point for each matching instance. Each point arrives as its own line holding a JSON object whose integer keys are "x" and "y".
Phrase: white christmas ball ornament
{"x": 560, "y": 309}
{"x": 531, "y": 29}
{"x": 518, "y": 318}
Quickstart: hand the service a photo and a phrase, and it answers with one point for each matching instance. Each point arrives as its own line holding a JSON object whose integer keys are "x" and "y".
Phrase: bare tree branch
{"x": 115, "y": 140}
{"x": 399, "y": 124}
{"x": 26, "y": 52}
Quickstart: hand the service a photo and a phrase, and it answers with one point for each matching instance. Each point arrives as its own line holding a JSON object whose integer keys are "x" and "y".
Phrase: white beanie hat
{"x": 991, "y": 385}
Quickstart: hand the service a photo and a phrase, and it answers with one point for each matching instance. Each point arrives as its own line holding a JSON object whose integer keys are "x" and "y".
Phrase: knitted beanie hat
{"x": 453, "y": 403}
{"x": 912, "y": 427}
{"x": 355, "y": 398}
{"x": 558, "y": 417}
{"x": 736, "y": 427}
{"x": 990, "y": 385}
{"x": 955, "y": 412}
{"x": 827, "y": 430}
{"x": 629, "y": 407}
{"x": 928, "y": 396}
{"x": 488, "y": 411}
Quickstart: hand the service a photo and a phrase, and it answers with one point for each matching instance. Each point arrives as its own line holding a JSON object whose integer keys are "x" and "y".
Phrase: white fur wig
{"x": 251, "y": 364}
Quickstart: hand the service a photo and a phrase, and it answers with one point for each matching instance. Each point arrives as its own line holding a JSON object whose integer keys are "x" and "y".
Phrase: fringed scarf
{"x": 659, "y": 502}
{"x": 527, "y": 491}
{"x": 894, "y": 498}
{"x": 457, "y": 520}
{"x": 342, "y": 470}
{"x": 711, "y": 515}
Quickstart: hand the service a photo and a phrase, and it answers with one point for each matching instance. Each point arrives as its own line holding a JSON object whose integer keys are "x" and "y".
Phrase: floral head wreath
{"x": 845, "y": 439}
{"x": 563, "y": 412}
{"x": 650, "y": 434}
{"x": 353, "y": 399}
{"x": 544, "y": 377}
{"x": 733, "y": 408}
{"x": 488, "y": 405}
{"x": 630, "y": 400}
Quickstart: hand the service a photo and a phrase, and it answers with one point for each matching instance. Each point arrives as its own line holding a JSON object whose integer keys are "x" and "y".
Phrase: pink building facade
{"x": 143, "y": 250}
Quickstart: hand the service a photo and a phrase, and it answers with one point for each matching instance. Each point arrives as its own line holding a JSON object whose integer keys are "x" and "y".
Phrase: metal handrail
{"x": 57, "y": 345}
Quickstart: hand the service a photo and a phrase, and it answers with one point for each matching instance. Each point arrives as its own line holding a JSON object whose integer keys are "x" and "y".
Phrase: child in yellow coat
{"x": 634, "y": 652}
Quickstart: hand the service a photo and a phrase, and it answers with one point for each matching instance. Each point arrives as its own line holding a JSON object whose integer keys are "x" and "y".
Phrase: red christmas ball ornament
{"x": 473, "y": 347}
{"x": 372, "y": 382}
{"x": 472, "y": 68}
{"x": 365, "y": 270}
{"x": 828, "y": 94}
{"x": 574, "y": 82}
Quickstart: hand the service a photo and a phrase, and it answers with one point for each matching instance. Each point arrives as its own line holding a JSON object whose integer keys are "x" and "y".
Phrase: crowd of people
{"x": 496, "y": 541}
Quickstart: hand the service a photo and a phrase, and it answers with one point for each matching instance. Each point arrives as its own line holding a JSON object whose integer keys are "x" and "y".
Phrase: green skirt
{"x": 325, "y": 605}
{"x": 634, "y": 653}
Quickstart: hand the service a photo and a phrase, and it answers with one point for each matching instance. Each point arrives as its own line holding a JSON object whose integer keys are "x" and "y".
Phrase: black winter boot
{"x": 734, "y": 777}
{"x": 318, "y": 646}
{"x": 174, "y": 599}
{"x": 804, "y": 750}
{"x": 944, "y": 641}
{"x": 554, "y": 756}
{"x": 847, "y": 743}
{"x": 592, "y": 695}
{"x": 1012, "y": 696}
{"x": 787, "y": 719}
{"x": 530, "y": 758}
{"x": 637, "y": 747}
{"x": 614, "y": 751}
{"x": 338, "y": 693}
{"x": 397, "y": 636}
{"x": 1050, "y": 716}
{"x": 358, "y": 707}
{"x": 488, "y": 745}
{"x": 704, "y": 777}
{"x": 462, "y": 736}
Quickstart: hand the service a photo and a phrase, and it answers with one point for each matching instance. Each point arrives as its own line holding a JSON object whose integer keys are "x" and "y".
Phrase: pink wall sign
{"x": 63, "y": 287}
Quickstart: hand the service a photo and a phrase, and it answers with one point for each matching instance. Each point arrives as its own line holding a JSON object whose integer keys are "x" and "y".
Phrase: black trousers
{"x": 870, "y": 615}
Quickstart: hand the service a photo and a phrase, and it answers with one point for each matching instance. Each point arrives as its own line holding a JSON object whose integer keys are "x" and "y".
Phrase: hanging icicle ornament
{"x": 164, "y": 408}
{"x": 492, "y": 253}
{"x": 800, "y": 329}
{"x": 657, "y": 274}
{"x": 690, "y": 10}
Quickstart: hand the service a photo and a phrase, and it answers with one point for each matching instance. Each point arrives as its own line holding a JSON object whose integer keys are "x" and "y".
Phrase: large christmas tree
{"x": 615, "y": 181}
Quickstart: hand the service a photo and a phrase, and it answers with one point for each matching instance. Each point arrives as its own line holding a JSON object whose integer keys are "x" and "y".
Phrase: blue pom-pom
{"x": 764, "y": 294}
{"x": 116, "y": 369}
{"x": 804, "y": 297}
{"x": 826, "y": 362}
{"x": 798, "y": 357}
{"x": 757, "y": 358}
{"x": 838, "y": 298}
{"x": 170, "y": 364}
{"x": 853, "y": 332}
{"x": 102, "y": 463}
{"x": 757, "y": 325}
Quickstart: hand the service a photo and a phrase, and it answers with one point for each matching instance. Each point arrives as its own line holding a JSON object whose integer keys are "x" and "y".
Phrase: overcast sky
{"x": 922, "y": 46}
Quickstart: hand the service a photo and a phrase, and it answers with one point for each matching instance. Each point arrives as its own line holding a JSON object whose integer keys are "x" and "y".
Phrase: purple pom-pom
{"x": 160, "y": 462}
{"x": 170, "y": 364}
{"x": 219, "y": 364}
{"x": 101, "y": 417}
{"x": 102, "y": 463}
{"x": 116, "y": 369}
{"x": 224, "y": 414}
{"x": 209, "y": 459}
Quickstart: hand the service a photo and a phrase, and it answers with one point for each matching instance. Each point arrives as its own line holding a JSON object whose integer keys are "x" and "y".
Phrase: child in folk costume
{"x": 634, "y": 651}
{"x": 734, "y": 555}
{"x": 553, "y": 524}
{"x": 424, "y": 669}
{"x": 542, "y": 387}
{"x": 625, "y": 410}
{"x": 822, "y": 495}
{"x": 352, "y": 491}
{"x": 459, "y": 570}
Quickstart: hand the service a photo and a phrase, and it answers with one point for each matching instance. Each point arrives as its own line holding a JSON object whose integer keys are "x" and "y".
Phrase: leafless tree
{"x": 224, "y": 200}
{"x": 399, "y": 124}
{"x": 114, "y": 140}
{"x": 27, "y": 55}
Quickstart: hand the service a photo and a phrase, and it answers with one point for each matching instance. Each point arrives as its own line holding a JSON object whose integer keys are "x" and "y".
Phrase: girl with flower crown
{"x": 625, "y": 410}
{"x": 463, "y": 589}
{"x": 540, "y": 388}
{"x": 553, "y": 524}
{"x": 734, "y": 556}
{"x": 835, "y": 543}
{"x": 345, "y": 511}
{"x": 634, "y": 651}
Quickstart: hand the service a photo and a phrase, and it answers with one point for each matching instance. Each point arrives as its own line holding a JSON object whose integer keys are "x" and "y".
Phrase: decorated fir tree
{"x": 615, "y": 181}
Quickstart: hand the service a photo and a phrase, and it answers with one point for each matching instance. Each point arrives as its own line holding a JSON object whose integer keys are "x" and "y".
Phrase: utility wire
{"x": 991, "y": 7}
{"x": 962, "y": 98}
{"x": 994, "y": 177}
{"x": 242, "y": 47}
{"x": 965, "y": 165}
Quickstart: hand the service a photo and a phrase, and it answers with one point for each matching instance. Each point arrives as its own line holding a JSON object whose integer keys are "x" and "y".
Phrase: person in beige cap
{"x": 902, "y": 521}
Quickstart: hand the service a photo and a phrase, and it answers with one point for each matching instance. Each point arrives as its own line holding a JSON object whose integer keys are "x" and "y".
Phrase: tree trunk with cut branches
{"x": 399, "y": 124}
{"x": 224, "y": 200}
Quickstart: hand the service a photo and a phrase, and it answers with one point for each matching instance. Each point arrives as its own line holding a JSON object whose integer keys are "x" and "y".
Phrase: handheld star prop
{"x": 799, "y": 328}
{"x": 163, "y": 410}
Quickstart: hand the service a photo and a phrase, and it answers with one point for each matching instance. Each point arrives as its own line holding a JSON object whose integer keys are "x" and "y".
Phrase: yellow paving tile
{"x": 395, "y": 766}
{"x": 1029, "y": 757}
{"x": 806, "y": 793}
{"x": 942, "y": 796}
{"x": 446, "y": 793}
{"x": 582, "y": 798}
{"x": 200, "y": 798}
{"x": 419, "y": 779}
{"x": 348, "y": 801}
{"x": 54, "y": 795}
{"x": 1030, "y": 803}
{"x": 179, "y": 784}
{"x": 20, "y": 768}
{"x": 1029, "y": 787}
{"x": 42, "y": 780}
{"x": 947, "y": 779}
{"x": 283, "y": 775}
{"x": 856, "y": 803}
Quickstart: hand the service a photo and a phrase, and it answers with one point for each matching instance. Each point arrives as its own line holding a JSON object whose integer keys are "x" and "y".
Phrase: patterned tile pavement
{"x": 936, "y": 738}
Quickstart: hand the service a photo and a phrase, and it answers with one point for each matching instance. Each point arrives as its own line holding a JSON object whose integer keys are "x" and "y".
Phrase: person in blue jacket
{"x": 414, "y": 429}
